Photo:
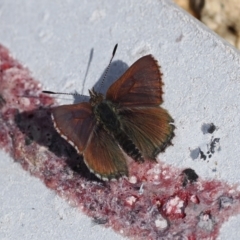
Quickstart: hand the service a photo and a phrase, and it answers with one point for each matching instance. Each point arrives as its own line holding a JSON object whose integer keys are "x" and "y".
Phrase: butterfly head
{"x": 95, "y": 98}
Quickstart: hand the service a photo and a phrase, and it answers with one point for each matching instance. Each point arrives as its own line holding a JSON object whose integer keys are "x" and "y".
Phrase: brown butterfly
{"x": 128, "y": 120}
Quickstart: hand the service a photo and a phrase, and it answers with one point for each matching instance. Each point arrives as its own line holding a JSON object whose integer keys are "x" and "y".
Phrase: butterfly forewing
{"x": 150, "y": 128}
{"x": 104, "y": 157}
{"x": 140, "y": 85}
{"x": 75, "y": 123}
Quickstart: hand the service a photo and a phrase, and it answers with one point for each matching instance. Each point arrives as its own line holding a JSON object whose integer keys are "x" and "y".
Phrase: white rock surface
{"x": 201, "y": 74}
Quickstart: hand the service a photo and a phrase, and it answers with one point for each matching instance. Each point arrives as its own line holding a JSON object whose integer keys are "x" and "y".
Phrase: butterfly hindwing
{"x": 150, "y": 128}
{"x": 104, "y": 157}
{"x": 140, "y": 85}
{"x": 74, "y": 123}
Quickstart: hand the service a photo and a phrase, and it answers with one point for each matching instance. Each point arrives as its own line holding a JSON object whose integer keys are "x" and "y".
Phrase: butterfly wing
{"x": 138, "y": 93}
{"x": 75, "y": 123}
{"x": 140, "y": 85}
{"x": 104, "y": 157}
{"x": 150, "y": 128}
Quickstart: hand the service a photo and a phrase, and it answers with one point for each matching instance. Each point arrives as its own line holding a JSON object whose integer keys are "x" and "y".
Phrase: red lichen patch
{"x": 157, "y": 202}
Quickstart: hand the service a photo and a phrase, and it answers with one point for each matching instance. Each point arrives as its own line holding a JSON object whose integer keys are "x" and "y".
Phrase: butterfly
{"x": 127, "y": 121}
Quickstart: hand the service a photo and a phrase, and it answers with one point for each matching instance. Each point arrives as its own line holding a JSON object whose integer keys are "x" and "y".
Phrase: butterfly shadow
{"x": 117, "y": 68}
{"x": 37, "y": 126}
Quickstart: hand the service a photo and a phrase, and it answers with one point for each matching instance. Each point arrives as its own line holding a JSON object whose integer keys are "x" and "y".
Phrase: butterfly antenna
{"x": 105, "y": 74}
{"x": 89, "y": 62}
{"x": 72, "y": 94}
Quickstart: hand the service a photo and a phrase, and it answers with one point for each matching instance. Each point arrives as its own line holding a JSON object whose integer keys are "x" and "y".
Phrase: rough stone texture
{"x": 55, "y": 40}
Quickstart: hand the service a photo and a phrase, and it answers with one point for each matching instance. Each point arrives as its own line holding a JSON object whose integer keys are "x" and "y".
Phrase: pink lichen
{"x": 157, "y": 202}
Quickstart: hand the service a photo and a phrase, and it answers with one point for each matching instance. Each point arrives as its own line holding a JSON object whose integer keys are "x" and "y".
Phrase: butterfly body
{"x": 105, "y": 112}
{"x": 128, "y": 119}
{"x": 108, "y": 118}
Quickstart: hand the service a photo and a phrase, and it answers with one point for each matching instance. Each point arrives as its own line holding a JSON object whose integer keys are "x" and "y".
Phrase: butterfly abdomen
{"x": 107, "y": 116}
{"x": 128, "y": 146}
